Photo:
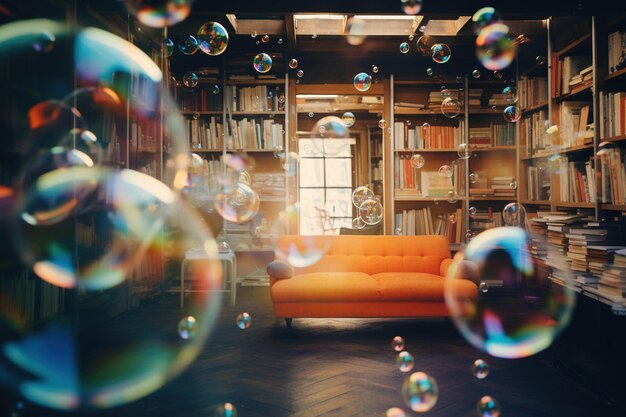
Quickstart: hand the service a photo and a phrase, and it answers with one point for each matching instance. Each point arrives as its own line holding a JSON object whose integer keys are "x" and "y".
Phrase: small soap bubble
{"x": 469, "y": 235}
{"x": 452, "y": 197}
{"x": 513, "y": 185}
{"x": 226, "y": 410}
{"x": 215, "y": 89}
{"x": 552, "y": 129}
{"x": 190, "y": 79}
{"x": 314, "y": 36}
{"x": 189, "y": 45}
{"x": 445, "y": 92}
{"x": 540, "y": 59}
{"x": 420, "y": 392}
{"x": 473, "y": 177}
{"x": 425, "y": 44}
{"x": 348, "y": 119}
{"x": 422, "y": 29}
{"x": 497, "y": 75}
{"x": 408, "y": 122}
{"x": 397, "y": 343}
{"x": 417, "y": 161}
{"x": 483, "y": 287}
{"x": 397, "y": 231}
{"x": 361, "y": 194}
{"x": 512, "y": 114}
{"x": 371, "y": 211}
{"x": 244, "y": 321}
{"x": 459, "y": 79}
{"x": 480, "y": 369}
{"x": 300, "y": 73}
{"x": 280, "y": 41}
{"x": 212, "y": 38}
{"x": 382, "y": 123}
{"x": 357, "y": 223}
{"x": 395, "y": 412}
{"x": 187, "y": 327}
{"x": 514, "y": 214}
{"x": 405, "y": 361}
{"x": 411, "y": 6}
{"x": 450, "y": 107}
{"x": 265, "y": 39}
{"x": 452, "y": 218}
{"x": 411, "y": 37}
{"x": 262, "y": 63}
{"x": 445, "y": 171}
{"x": 279, "y": 152}
{"x": 476, "y": 73}
{"x": 441, "y": 53}
{"x": 488, "y": 407}
{"x": 472, "y": 211}
{"x": 44, "y": 42}
{"x": 429, "y": 71}
{"x": 463, "y": 151}
{"x": 426, "y": 127}
{"x": 404, "y": 47}
{"x": 293, "y": 63}
{"x": 311, "y": 114}
{"x": 254, "y": 34}
{"x": 510, "y": 94}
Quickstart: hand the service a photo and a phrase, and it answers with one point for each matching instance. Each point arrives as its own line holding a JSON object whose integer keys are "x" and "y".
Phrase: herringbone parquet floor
{"x": 345, "y": 367}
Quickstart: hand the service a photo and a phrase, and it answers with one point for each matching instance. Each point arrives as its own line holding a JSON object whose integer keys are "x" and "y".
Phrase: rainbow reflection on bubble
{"x": 517, "y": 316}
{"x": 362, "y": 81}
{"x": 494, "y": 48}
{"x": 262, "y": 63}
{"x": 420, "y": 392}
{"x": 160, "y": 13}
{"x": 212, "y": 38}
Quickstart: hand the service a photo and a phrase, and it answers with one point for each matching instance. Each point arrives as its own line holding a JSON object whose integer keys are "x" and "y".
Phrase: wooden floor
{"x": 345, "y": 367}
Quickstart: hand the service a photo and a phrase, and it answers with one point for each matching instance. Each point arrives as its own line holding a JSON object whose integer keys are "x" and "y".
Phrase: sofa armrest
{"x": 443, "y": 268}
{"x": 280, "y": 270}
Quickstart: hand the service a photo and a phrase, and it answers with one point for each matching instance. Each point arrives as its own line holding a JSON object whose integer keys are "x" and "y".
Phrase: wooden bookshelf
{"x": 567, "y": 204}
{"x": 579, "y": 92}
{"x": 616, "y": 207}
{"x": 536, "y": 107}
{"x": 202, "y": 113}
{"x": 616, "y": 75}
{"x": 536, "y": 202}
{"x": 574, "y": 46}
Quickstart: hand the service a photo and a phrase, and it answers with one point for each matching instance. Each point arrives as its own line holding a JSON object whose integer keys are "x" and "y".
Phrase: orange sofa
{"x": 364, "y": 276}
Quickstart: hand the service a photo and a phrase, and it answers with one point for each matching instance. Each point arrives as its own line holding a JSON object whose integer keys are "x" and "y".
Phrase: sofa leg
{"x": 288, "y": 322}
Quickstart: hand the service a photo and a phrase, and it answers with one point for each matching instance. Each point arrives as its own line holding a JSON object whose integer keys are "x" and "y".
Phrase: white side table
{"x": 230, "y": 272}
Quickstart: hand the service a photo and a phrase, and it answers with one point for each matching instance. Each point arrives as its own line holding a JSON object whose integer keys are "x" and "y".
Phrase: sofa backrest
{"x": 369, "y": 254}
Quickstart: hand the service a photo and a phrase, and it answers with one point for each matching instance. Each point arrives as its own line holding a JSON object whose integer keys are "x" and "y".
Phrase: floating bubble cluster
{"x": 522, "y": 318}
{"x": 159, "y": 14}
{"x": 212, "y": 38}
{"x": 361, "y": 194}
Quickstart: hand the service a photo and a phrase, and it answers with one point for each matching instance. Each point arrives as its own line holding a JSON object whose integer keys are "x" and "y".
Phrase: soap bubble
{"x": 484, "y": 17}
{"x": 483, "y": 287}
{"x": 420, "y": 392}
{"x": 197, "y": 171}
{"x": 262, "y": 63}
{"x": 190, "y": 79}
{"x": 514, "y": 214}
{"x": 513, "y": 185}
{"x": 445, "y": 171}
{"x": 395, "y": 412}
{"x": 472, "y": 211}
{"x": 374, "y": 69}
{"x": 510, "y": 94}
{"x": 362, "y": 81}
{"x": 237, "y": 203}
{"x": 348, "y": 119}
{"x": 223, "y": 247}
{"x": 279, "y": 152}
{"x": 300, "y": 73}
{"x": 330, "y": 127}
{"x": 187, "y": 327}
{"x": 488, "y": 407}
{"x": 371, "y": 211}
{"x": 497, "y": 75}
{"x": 459, "y": 79}
{"x": 382, "y": 123}
{"x": 189, "y": 45}
{"x": 450, "y": 107}
{"x": 307, "y": 250}
{"x": 452, "y": 197}
{"x": 293, "y": 63}
{"x": 405, "y": 361}
{"x": 445, "y": 92}
{"x": 44, "y": 42}
{"x": 398, "y": 231}
{"x": 411, "y": 6}
{"x": 425, "y": 44}
{"x": 355, "y": 31}
{"x": 429, "y": 71}
{"x": 357, "y": 223}
{"x": 441, "y": 53}
{"x": 265, "y": 39}
{"x": 212, "y": 38}
{"x": 226, "y": 410}
{"x": 397, "y": 343}
{"x": 280, "y": 41}
{"x": 476, "y": 73}
{"x": 494, "y": 47}
{"x": 523, "y": 318}
{"x": 239, "y": 162}
{"x": 426, "y": 128}
{"x": 452, "y": 218}
{"x": 215, "y": 89}
{"x": 360, "y": 194}
{"x": 463, "y": 151}
{"x": 244, "y": 321}
{"x": 540, "y": 59}
{"x": 480, "y": 369}
{"x": 159, "y": 14}
{"x": 404, "y": 47}
{"x": 311, "y": 114}
{"x": 417, "y": 161}
{"x": 512, "y": 114}
{"x": 253, "y": 34}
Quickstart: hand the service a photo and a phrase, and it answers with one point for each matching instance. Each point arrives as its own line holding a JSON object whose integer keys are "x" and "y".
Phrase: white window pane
{"x": 310, "y": 148}
{"x": 311, "y": 200}
{"x": 311, "y": 172}
{"x": 339, "y": 202}
{"x": 338, "y": 172}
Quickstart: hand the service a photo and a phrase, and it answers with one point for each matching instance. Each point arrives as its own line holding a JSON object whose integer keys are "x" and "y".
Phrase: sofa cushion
{"x": 321, "y": 287}
{"x": 416, "y": 286}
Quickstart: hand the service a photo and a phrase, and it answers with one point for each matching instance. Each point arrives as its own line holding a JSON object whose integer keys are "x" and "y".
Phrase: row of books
{"x": 260, "y": 98}
{"x": 206, "y": 134}
{"x": 485, "y": 218}
{"x": 433, "y": 137}
{"x": 575, "y": 128}
{"x": 497, "y": 134}
{"x": 576, "y": 182}
{"x": 377, "y": 171}
{"x": 612, "y": 283}
{"x": 538, "y": 182}
{"x": 23, "y": 290}
{"x": 435, "y": 98}
{"x": 251, "y": 134}
{"x": 269, "y": 184}
{"x": 532, "y": 91}
{"x": 143, "y": 136}
{"x": 425, "y": 183}
{"x": 420, "y": 222}
{"x": 376, "y": 147}
{"x": 533, "y": 135}
{"x": 569, "y": 72}
{"x": 612, "y": 185}
{"x": 503, "y": 186}
{"x": 200, "y": 99}
{"x": 612, "y": 114}
{"x": 617, "y": 51}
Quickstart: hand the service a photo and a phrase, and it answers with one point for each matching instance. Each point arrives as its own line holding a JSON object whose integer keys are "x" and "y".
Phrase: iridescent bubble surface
{"x": 411, "y": 6}
{"x": 188, "y": 45}
{"x": 451, "y": 107}
{"x": 484, "y": 17}
{"x": 348, "y": 119}
{"x": 463, "y": 151}
{"x": 362, "y": 81}
{"x": 488, "y": 406}
{"x": 360, "y": 194}
{"x": 395, "y": 412}
{"x": 494, "y": 48}
{"x": 262, "y": 63}
{"x": 187, "y": 327}
{"x": 417, "y": 161}
{"x": 480, "y": 369}
{"x": 514, "y": 214}
{"x": 238, "y": 203}
{"x": 512, "y": 114}
{"x": 441, "y": 53}
{"x": 293, "y": 63}
{"x": 425, "y": 45}
{"x": 404, "y": 47}
{"x": 420, "y": 392}
{"x": 476, "y": 73}
{"x": 244, "y": 321}
{"x": 510, "y": 94}
{"x": 190, "y": 79}
{"x": 397, "y": 343}
{"x": 159, "y": 13}
{"x": 371, "y": 211}
{"x": 405, "y": 361}
{"x": 212, "y": 38}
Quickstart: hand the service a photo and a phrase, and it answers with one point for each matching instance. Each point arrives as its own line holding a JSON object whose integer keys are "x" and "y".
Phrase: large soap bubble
{"x": 237, "y": 203}
{"x": 212, "y": 38}
{"x": 159, "y": 13}
{"x": 371, "y": 211}
{"x": 494, "y": 48}
{"x": 362, "y": 81}
{"x": 74, "y": 360}
{"x": 360, "y": 194}
{"x": 484, "y": 17}
{"x": 518, "y": 315}
{"x": 262, "y": 63}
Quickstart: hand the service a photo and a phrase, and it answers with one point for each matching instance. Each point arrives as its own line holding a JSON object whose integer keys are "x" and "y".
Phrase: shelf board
{"x": 573, "y": 45}
{"x": 205, "y": 150}
{"x": 485, "y": 111}
{"x": 414, "y": 111}
{"x": 424, "y": 150}
{"x": 251, "y": 150}
{"x": 258, "y": 113}
{"x": 567, "y": 204}
{"x": 615, "y": 75}
{"x": 273, "y": 81}
{"x": 572, "y": 149}
{"x": 426, "y": 82}
{"x": 614, "y": 139}
{"x": 494, "y": 148}
{"x": 576, "y": 93}
{"x": 202, "y": 112}
{"x": 616, "y": 207}
{"x": 536, "y": 202}
{"x": 536, "y": 107}
{"x": 493, "y": 198}
{"x": 376, "y": 156}
{"x": 426, "y": 199}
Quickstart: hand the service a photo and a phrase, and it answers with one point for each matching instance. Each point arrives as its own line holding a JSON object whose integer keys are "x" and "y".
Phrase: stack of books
{"x": 612, "y": 284}
{"x": 501, "y": 186}
{"x": 475, "y": 96}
